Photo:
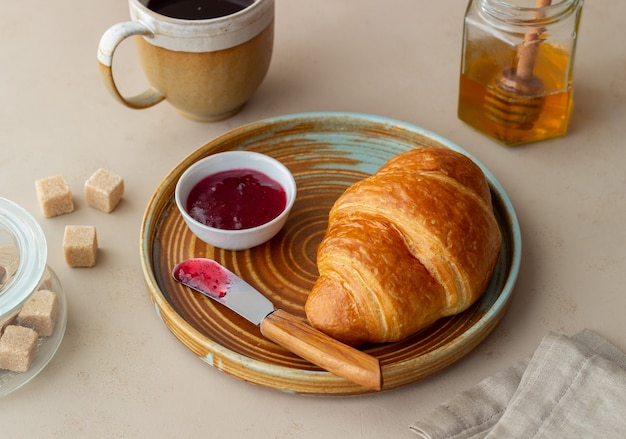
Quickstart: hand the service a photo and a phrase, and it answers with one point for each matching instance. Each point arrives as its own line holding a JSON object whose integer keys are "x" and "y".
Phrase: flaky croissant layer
{"x": 414, "y": 242}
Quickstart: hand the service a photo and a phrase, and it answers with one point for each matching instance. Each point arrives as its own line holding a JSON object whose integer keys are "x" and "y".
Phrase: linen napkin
{"x": 569, "y": 388}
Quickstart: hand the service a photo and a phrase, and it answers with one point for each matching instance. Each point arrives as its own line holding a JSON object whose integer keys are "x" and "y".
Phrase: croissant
{"x": 414, "y": 242}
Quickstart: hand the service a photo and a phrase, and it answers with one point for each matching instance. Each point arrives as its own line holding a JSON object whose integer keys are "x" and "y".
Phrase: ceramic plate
{"x": 47, "y": 346}
{"x": 326, "y": 152}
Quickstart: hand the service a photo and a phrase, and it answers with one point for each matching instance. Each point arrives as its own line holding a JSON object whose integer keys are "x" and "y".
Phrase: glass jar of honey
{"x": 517, "y": 68}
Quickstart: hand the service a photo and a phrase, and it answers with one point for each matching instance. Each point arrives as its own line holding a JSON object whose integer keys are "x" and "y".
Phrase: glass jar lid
{"x": 23, "y": 255}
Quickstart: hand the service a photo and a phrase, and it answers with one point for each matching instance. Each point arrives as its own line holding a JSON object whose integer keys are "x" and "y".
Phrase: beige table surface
{"x": 120, "y": 373}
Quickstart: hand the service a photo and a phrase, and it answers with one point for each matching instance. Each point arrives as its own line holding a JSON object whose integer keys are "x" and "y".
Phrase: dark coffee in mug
{"x": 197, "y": 9}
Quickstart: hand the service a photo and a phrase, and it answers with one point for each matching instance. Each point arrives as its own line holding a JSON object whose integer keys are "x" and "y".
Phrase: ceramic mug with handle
{"x": 206, "y": 68}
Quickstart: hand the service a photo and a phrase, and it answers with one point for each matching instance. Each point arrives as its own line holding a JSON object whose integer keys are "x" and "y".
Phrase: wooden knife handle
{"x": 320, "y": 349}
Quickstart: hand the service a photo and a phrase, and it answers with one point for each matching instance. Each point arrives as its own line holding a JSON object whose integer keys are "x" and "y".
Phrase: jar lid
{"x": 23, "y": 255}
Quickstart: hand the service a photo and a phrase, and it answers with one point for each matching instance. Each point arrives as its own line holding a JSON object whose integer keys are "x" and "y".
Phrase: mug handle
{"x": 108, "y": 43}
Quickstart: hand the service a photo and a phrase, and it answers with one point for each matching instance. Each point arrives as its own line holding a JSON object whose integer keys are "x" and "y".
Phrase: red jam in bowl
{"x": 236, "y": 199}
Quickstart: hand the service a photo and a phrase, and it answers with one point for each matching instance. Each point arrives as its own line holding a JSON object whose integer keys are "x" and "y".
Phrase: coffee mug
{"x": 206, "y": 68}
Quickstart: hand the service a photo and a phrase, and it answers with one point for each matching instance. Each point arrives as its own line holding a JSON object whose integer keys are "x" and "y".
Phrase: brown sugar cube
{"x": 40, "y": 312}
{"x": 18, "y": 346}
{"x": 80, "y": 246}
{"x": 54, "y": 196}
{"x": 104, "y": 190}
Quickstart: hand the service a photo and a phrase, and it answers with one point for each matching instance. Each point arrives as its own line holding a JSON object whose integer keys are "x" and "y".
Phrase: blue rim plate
{"x": 326, "y": 152}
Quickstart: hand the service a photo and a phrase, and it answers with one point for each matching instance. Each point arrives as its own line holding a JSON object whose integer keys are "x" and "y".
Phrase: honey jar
{"x": 517, "y": 68}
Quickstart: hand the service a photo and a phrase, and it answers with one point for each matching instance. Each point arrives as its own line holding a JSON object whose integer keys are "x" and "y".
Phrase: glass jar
{"x": 517, "y": 67}
{"x": 23, "y": 256}
{"x": 24, "y": 270}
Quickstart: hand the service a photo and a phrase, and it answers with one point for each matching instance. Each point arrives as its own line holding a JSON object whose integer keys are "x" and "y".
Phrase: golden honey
{"x": 478, "y": 84}
{"x": 492, "y": 97}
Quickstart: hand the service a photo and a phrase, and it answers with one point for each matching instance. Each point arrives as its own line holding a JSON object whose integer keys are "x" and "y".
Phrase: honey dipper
{"x": 514, "y": 101}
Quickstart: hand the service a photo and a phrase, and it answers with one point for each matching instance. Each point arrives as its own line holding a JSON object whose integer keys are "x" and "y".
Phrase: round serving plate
{"x": 326, "y": 152}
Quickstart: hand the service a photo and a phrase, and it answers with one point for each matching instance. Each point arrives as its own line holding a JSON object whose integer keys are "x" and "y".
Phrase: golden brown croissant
{"x": 414, "y": 242}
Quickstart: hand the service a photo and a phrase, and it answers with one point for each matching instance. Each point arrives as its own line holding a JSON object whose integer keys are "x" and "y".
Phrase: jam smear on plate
{"x": 203, "y": 275}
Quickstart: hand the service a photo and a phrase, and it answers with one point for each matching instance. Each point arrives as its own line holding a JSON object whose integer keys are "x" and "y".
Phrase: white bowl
{"x": 240, "y": 239}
